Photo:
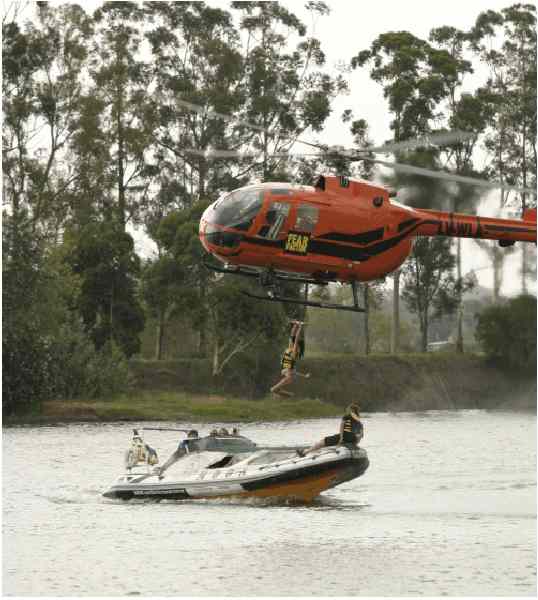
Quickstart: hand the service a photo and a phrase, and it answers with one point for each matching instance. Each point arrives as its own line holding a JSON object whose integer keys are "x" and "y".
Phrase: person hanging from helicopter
{"x": 293, "y": 352}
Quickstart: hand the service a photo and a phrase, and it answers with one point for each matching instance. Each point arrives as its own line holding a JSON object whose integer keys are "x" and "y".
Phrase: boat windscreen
{"x": 226, "y": 444}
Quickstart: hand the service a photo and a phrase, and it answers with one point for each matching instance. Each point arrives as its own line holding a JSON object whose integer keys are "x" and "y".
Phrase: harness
{"x": 288, "y": 360}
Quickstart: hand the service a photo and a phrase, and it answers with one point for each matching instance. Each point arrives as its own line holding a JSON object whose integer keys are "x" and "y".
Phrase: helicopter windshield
{"x": 238, "y": 209}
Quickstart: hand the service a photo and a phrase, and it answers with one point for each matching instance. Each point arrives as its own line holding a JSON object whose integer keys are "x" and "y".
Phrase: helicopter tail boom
{"x": 506, "y": 231}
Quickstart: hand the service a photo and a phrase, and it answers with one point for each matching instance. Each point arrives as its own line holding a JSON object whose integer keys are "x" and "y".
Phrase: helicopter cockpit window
{"x": 274, "y": 219}
{"x": 239, "y": 209}
{"x": 307, "y": 217}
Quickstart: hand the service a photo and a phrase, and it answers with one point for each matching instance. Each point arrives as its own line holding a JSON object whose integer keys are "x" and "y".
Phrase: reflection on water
{"x": 447, "y": 507}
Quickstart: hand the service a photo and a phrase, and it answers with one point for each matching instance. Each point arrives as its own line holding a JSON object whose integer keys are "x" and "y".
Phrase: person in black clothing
{"x": 351, "y": 431}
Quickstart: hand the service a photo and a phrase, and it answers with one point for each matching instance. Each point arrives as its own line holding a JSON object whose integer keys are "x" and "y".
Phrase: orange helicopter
{"x": 341, "y": 229}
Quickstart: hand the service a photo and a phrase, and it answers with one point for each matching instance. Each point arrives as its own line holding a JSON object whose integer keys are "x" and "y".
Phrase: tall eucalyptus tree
{"x": 408, "y": 69}
{"x": 506, "y": 42}
{"x": 118, "y": 102}
{"x": 285, "y": 88}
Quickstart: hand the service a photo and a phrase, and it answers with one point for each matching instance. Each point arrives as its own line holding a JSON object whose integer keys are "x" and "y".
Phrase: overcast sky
{"x": 351, "y": 27}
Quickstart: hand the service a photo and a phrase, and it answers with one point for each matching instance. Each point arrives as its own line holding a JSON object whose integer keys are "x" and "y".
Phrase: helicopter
{"x": 341, "y": 229}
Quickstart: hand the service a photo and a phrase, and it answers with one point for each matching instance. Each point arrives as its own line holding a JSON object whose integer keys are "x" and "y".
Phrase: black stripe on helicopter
{"x": 346, "y": 251}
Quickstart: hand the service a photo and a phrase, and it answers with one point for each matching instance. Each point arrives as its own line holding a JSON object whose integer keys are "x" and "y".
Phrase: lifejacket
{"x": 352, "y": 427}
{"x": 288, "y": 360}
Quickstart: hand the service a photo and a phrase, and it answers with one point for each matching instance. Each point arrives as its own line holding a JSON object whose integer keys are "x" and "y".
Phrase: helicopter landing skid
{"x": 276, "y": 298}
{"x": 269, "y": 278}
{"x": 266, "y": 277}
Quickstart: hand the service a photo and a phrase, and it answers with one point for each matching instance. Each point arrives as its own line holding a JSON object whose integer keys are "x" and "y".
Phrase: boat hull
{"x": 299, "y": 479}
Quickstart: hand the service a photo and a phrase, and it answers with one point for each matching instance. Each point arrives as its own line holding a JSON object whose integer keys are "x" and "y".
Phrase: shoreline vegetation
{"x": 184, "y": 390}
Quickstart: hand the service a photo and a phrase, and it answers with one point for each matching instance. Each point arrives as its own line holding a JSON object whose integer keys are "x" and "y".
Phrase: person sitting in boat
{"x": 293, "y": 352}
{"x": 351, "y": 431}
{"x": 189, "y": 444}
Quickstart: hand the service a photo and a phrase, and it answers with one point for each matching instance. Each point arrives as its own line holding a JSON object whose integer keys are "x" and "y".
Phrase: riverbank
{"x": 403, "y": 382}
{"x": 186, "y": 390}
{"x": 176, "y": 406}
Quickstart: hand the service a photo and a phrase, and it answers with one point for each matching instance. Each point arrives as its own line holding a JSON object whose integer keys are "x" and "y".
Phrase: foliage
{"x": 430, "y": 288}
{"x": 103, "y": 256}
{"x": 507, "y": 333}
{"x": 45, "y": 351}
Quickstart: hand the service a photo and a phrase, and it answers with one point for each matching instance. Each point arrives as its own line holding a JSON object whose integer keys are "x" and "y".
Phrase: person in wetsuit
{"x": 351, "y": 431}
{"x": 293, "y": 352}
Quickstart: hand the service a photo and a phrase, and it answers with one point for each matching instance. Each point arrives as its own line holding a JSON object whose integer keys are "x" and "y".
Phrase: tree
{"x": 507, "y": 333}
{"x": 239, "y": 324}
{"x": 280, "y": 90}
{"x": 65, "y": 32}
{"x": 430, "y": 288}
{"x": 118, "y": 103}
{"x": 506, "y": 42}
{"x": 23, "y": 56}
{"x": 103, "y": 256}
{"x": 178, "y": 236}
{"x": 225, "y": 318}
{"x": 197, "y": 65}
{"x": 162, "y": 282}
{"x": 408, "y": 68}
{"x": 464, "y": 112}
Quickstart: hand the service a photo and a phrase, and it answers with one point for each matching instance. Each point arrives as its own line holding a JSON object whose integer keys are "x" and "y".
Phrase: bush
{"x": 26, "y": 379}
{"x": 79, "y": 370}
{"x": 507, "y": 333}
{"x": 108, "y": 373}
{"x": 37, "y": 368}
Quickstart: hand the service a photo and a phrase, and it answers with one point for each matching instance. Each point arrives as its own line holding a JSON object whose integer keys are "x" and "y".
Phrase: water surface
{"x": 447, "y": 507}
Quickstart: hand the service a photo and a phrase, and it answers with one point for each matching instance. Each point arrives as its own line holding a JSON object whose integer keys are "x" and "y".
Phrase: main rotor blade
{"x": 451, "y": 177}
{"x": 211, "y": 113}
{"x": 436, "y": 139}
{"x": 209, "y": 154}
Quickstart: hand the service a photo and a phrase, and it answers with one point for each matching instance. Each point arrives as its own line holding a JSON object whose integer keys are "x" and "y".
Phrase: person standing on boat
{"x": 293, "y": 352}
{"x": 351, "y": 431}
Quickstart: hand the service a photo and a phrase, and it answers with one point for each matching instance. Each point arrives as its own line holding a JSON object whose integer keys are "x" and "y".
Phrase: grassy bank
{"x": 178, "y": 406}
{"x": 186, "y": 390}
{"x": 378, "y": 382}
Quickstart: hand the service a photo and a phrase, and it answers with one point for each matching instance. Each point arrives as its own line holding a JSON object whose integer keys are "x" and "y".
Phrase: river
{"x": 447, "y": 507}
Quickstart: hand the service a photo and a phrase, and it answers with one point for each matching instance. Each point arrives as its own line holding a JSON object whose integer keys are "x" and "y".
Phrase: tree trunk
{"x": 366, "y": 319}
{"x": 524, "y": 273}
{"x": 202, "y": 174}
{"x": 395, "y": 332}
{"x": 424, "y": 333}
{"x": 160, "y": 336}
{"x": 498, "y": 260}
{"x": 202, "y": 333}
{"x": 121, "y": 166}
{"x": 459, "y": 335}
{"x": 216, "y": 366}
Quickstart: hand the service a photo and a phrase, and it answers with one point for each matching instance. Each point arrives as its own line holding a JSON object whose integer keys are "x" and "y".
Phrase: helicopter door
{"x": 275, "y": 220}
